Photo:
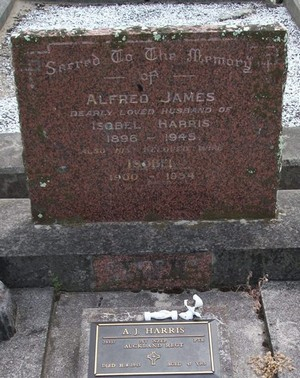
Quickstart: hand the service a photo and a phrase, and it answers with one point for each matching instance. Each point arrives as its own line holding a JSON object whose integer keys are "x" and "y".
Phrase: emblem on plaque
{"x": 153, "y": 357}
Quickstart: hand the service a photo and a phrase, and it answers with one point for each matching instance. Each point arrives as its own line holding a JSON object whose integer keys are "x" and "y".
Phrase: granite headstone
{"x": 145, "y": 125}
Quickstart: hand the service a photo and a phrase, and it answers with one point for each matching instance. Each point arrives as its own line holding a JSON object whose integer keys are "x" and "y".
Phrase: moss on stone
{"x": 78, "y": 32}
{"x": 251, "y": 171}
{"x": 41, "y": 133}
{"x": 263, "y": 95}
{"x": 255, "y": 33}
{"x": 119, "y": 38}
{"x": 152, "y": 217}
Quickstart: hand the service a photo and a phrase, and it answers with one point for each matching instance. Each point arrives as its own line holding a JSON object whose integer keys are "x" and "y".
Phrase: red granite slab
{"x": 144, "y": 125}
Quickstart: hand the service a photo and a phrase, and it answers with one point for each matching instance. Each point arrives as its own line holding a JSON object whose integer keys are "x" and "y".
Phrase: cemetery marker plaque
{"x": 154, "y": 349}
{"x": 151, "y": 124}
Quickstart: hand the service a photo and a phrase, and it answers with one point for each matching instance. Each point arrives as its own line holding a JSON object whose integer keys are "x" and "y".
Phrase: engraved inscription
{"x": 155, "y": 117}
{"x": 154, "y": 348}
{"x": 184, "y": 111}
{"x": 156, "y": 54}
{"x": 118, "y": 56}
{"x": 142, "y": 112}
{"x": 150, "y": 164}
{"x": 188, "y": 97}
{"x": 120, "y": 99}
{"x": 150, "y": 77}
{"x": 195, "y": 55}
{"x": 52, "y": 67}
{"x": 132, "y": 138}
{"x": 183, "y": 123}
{"x": 126, "y": 177}
{"x": 91, "y": 113}
{"x": 118, "y": 125}
{"x": 180, "y": 132}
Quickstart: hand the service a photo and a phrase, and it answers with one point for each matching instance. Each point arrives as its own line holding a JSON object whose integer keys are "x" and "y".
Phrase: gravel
{"x": 48, "y": 16}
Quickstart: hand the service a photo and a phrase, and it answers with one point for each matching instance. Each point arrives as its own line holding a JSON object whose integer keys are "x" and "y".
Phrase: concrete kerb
{"x": 5, "y": 8}
{"x": 281, "y": 307}
{"x": 290, "y": 173}
{"x": 294, "y": 8}
{"x": 23, "y": 354}
{"x": 104, "y": 2}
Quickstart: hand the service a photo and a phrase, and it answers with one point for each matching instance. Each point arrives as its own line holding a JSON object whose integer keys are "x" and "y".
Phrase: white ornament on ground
{"x": 162, "y": 314}
{"x": 191, "y": 310}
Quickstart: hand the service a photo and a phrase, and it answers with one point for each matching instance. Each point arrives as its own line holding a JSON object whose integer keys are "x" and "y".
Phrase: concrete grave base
{"x": 154, "y": 255}
{"x": 51, "y": 340}
{"x": 235, "y": 348}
